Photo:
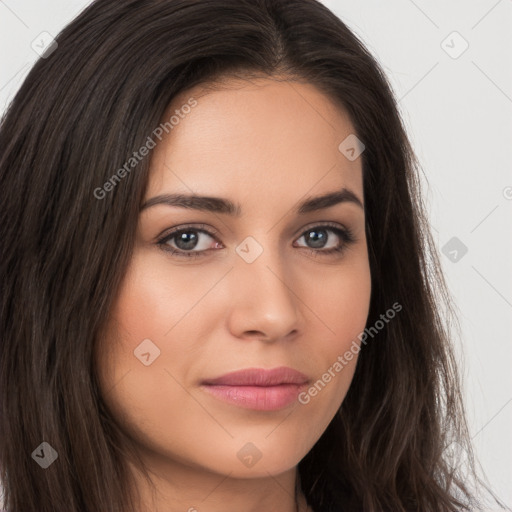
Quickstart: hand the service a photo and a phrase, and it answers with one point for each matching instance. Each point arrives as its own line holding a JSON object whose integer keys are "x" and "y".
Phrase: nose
{"x": 263, "y": 302}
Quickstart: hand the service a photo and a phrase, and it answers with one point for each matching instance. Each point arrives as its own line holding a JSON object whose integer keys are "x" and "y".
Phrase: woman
{"x": 218, "y": 285}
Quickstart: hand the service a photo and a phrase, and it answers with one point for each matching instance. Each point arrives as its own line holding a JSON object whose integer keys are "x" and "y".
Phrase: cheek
{"x": 161, "y": 303}
{"x": 152, "y": 299}
{"x": 339, "y": 302}
{"x": 148, "y": 349}
{"x": 341, "y": 306}
{"x": 141, "y": 380}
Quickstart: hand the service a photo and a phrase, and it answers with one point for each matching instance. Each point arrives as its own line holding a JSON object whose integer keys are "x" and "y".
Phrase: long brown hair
{"x": 80, "y": 114}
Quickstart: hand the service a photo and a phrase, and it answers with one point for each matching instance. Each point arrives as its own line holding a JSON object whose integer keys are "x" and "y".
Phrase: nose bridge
{"x": 263, "y": 295}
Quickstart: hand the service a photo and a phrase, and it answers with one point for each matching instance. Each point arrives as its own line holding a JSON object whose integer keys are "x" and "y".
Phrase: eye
{"x": 187, "y": 241}
{"x": 193, "y": 241}
{"x": 320, "y": 241}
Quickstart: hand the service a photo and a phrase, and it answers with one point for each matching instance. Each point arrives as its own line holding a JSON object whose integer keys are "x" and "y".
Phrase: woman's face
{"x": 249, "y": 287}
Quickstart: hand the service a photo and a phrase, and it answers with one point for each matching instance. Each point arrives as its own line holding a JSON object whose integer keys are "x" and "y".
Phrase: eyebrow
{"x": 225, "y": 206}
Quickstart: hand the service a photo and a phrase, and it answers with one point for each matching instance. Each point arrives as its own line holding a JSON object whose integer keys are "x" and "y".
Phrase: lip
{"x": 258, "y": 388}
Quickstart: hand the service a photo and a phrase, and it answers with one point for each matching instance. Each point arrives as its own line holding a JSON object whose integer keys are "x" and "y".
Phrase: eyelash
{"x": 345, "y": 234}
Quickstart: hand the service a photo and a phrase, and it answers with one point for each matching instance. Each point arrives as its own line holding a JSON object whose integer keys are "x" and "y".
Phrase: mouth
{"x": 257, "y": 388}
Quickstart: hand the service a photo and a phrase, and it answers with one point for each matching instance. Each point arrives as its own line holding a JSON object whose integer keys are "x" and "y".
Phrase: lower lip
{"x": 259, "y": 398}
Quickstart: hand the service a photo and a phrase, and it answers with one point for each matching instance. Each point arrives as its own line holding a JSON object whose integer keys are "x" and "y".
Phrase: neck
{"x": 178, "y": 488}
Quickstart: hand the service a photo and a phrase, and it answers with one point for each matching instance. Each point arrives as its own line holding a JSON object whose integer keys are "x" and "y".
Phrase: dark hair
{"x": 79, "y": 115}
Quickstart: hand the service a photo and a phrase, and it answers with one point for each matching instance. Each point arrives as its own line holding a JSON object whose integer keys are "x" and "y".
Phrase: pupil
{"x": 318, "y": 239}
{"x": 186, "y": 240}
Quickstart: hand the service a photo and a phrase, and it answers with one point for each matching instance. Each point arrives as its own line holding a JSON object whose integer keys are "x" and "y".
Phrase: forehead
{"x": 254, "y": 139}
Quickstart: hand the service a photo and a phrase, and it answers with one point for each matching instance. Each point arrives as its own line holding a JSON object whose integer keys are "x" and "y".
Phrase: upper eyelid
{"x": 193, "y": 227}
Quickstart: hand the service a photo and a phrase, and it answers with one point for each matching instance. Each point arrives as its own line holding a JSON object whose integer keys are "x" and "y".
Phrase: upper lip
{"x": 259, "y": 377}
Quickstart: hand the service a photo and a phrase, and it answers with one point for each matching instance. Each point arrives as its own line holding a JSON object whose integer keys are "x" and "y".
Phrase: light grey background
{"x": 458, "y": 113}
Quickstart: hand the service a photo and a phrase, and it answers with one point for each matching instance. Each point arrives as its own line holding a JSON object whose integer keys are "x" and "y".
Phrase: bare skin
{"x": 268, "y": 146}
